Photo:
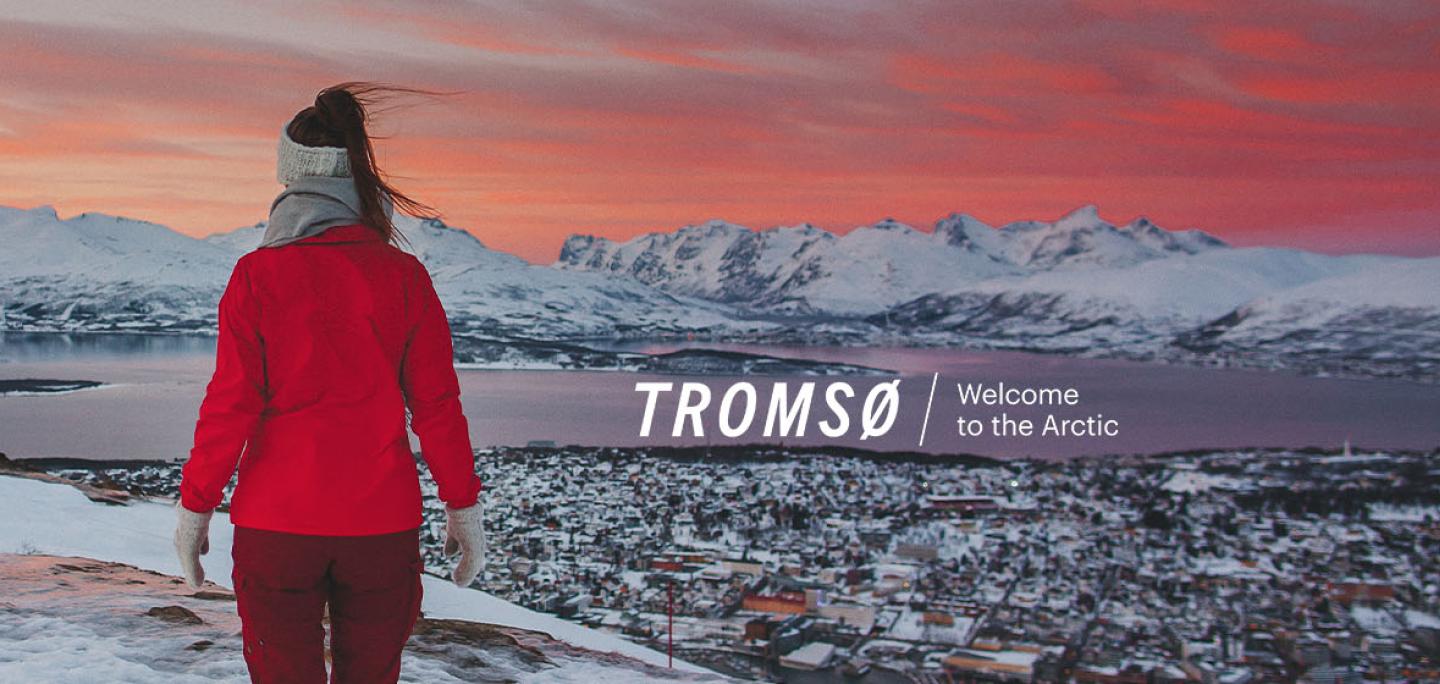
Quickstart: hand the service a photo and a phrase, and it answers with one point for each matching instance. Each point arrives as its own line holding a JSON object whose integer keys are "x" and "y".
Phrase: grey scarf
{"x": 310, "y": 204}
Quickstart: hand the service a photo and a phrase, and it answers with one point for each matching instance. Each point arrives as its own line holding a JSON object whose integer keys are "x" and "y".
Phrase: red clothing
{"x": 323, "y": 345}
{"x": 283, "y": 583}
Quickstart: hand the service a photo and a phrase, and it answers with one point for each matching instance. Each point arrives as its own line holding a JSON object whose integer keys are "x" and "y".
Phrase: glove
{"x": 192, "y": 540}
{"x": 465, "y": 534}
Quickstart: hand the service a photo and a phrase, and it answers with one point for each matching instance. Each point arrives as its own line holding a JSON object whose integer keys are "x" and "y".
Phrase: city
{"x": 830, "y": 564}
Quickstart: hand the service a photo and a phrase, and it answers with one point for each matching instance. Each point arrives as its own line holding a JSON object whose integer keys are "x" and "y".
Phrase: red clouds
{"x": 1311, "y": 124}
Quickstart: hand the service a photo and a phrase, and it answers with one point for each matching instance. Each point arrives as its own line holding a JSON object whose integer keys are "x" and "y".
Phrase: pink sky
{"x": 1311, "y": 124}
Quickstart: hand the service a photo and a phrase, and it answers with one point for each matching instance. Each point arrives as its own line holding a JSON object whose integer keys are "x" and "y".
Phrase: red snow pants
{"x": 283, "y": 582}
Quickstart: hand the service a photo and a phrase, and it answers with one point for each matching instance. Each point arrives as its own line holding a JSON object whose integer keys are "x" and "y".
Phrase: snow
{"x": 910, "y": 625}
{"x": 121, "y": 272}
{"x": 1387, "y": 312}
{"x": 1375, "y": 621}
{"x": 1079, "y": 284}
{"x": 1397, "y": 513}
{"x": 870, "y": 268}
{"x": 56, "y": 519}
{"x": 1231, "y": 567}
{"x": 1192, "y": 481}
{"x": 1400, "y": 284}
{"x": 44, "y": 649}
{"x": 101, "y": 248}
{"x": 797, "y": 267}
{"x": 1420, "y": 620}
{"x": 82, "y": 620}
{"x": 814, "y": 655}
{"x": 1412, "y": 283}
{"x": 1192, "y": 289}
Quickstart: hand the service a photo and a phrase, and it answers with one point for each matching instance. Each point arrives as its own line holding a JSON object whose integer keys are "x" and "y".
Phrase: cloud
{"x": 621, "y": 117}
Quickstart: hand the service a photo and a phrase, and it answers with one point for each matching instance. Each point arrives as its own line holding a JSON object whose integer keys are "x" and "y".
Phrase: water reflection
{"x": 158, "y": 382}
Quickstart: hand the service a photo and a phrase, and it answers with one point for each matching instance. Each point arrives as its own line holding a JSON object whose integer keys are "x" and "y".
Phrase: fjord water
{"x": 156, "y": 383}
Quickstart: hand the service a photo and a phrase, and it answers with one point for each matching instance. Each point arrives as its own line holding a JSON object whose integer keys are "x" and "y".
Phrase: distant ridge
{"x": 804, "y": 268}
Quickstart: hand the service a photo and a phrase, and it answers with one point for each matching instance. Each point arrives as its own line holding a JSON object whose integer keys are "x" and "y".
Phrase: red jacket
{"x": 324, "y": 343}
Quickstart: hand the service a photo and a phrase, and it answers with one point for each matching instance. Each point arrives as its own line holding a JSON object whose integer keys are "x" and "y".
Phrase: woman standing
{"x": 328, "y": 333}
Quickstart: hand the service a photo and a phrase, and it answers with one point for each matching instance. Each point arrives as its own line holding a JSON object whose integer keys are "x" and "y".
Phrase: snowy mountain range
{"x": 1078, "y": 285}
{"x": 803, "y": 269}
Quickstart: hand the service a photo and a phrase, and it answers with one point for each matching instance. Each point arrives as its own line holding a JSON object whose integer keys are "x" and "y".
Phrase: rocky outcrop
{"x": 80, "y": 619}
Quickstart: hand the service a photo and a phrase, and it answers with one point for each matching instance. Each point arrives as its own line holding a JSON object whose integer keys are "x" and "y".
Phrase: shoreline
{"x": 45, "y": 387}
{"x": 1418, "y": 373}
{"x": 762, "y": 452}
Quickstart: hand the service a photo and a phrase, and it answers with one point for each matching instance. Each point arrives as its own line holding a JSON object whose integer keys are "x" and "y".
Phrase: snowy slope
{"x": 55, "y": 519}
{"x": 93, "y": 266}
{"x": 1395, "y": 284}
{"x": 1389, "y": 314}
{"x": 110, "y": 249}
{"x": 1156, "y": 297}
{"x": 98, "y": 272}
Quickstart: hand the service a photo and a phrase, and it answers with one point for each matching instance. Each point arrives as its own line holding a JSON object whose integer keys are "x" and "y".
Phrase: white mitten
{"x": 465, "y": 533}
{"x": 192, "y": 540}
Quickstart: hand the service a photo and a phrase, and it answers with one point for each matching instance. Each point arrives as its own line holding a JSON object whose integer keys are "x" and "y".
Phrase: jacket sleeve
{"x": 432, "y": 394}
{"x": 234, "y": 398}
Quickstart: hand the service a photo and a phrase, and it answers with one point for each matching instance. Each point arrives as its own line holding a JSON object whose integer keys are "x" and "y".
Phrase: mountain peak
{"x": 441, "y": 229}
{"x": 711, "y": 227}
{"x": 1146, "y": 232}
{"x": 720, "y": 224}
{"x": 889, "y": 223}
{"x": 1087, "y": 215}
{"x": 961, "y": 222}
{"x": 584, "y": 249}
{"x": 962, "y": 217}
{"x": 966, "y": 231}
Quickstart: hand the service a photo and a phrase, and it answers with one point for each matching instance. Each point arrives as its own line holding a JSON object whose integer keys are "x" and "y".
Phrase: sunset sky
{"x": 1310, "y": 124}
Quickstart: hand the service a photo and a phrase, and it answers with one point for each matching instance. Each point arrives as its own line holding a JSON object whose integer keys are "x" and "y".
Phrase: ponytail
{"x": 338, "y": 119}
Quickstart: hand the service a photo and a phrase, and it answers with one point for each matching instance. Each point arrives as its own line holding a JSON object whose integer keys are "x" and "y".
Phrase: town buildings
{"x": 1216, "y": 567}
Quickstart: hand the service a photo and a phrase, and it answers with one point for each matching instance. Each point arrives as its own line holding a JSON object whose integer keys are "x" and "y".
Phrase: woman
{"x": 328, "y": 333}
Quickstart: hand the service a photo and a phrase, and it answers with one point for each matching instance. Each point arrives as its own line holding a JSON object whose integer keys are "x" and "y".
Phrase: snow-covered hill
{"x": 72, "y": 272}
{"x": 1386, "y": 315}
{"x": 1357, "y": 315}
{"x": 1155, "y": 298}
{"x": 48, "y": 630}
{"x": 98, "y": 272}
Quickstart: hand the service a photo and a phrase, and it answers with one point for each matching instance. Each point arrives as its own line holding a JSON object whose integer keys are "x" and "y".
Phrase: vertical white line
{"x": 928, "y": 403}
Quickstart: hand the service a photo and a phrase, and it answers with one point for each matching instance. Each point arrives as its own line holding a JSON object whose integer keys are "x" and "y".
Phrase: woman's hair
{"x": 338, "y": 119}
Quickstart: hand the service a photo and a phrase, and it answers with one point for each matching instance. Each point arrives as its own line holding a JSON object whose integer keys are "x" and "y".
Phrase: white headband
{"x": 295, "y": 160}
